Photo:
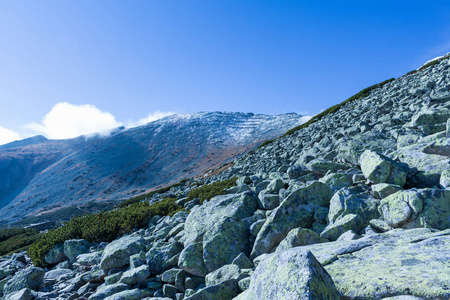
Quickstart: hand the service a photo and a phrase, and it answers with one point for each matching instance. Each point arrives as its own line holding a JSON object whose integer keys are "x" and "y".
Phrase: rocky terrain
{"x": 38, "y": 176}
{"x": 354, "y": 206}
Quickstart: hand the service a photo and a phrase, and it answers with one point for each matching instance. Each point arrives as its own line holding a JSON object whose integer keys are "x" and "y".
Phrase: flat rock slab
{"x": 399, "y": 262}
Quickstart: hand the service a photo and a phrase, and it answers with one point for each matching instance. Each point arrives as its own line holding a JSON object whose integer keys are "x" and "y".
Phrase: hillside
{"x": 355, "y": 205}
{"x": 39, "y": 175}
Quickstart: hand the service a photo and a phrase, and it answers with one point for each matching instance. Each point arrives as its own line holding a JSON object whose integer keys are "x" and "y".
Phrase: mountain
{"x": 39, "y": 175}
{"x": 353, "y": 204}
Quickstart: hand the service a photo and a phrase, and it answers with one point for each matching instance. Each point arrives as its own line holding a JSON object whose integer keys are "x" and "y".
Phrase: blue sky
{"x": 121, "y": 61}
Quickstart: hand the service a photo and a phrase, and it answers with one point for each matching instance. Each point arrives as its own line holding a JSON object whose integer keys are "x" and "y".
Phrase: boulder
{"x": 268, "y": 201}
{"x": 290, "y": 214}
{"x": 224, "y": 273}
{"x": 382, "y": 190}
{"x": 135, "y": 276}
{"x": 191, "y": 260}
{"x": 104, "y": 291}
{"x": 117, "y": 254}
{"x": 222, "y": 291}
{"x": 274, "y": 186}
{"x": 291, "y": 274}
{"x": 31, "y": 278}
{"x": 353, "y": 201}
{"x": 300, "y": 237}
{"x": 59, "y": 275}
{"x": 321, "y": 166}
{"x": 56, "y": 255}
{"x": 73, "y": 248}
{"x": 89, "y": 259}
{"x": 160, "y": 255}
{"x": 134, "y": 294}
{"x": 444, "y": 181}
{"x": 23, "y": 294}
{"x": 381, "y": 169}
{"x": 336, "y": 181}
{"x": 236, "y": 206}
{"x": 243, "y": 262}
{"x": 347, "y": 222}
{"x": 398, "y": 207}
{"x": 223, "y": 242}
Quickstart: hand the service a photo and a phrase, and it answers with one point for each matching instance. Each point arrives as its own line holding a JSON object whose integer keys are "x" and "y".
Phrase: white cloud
{"x": 150, "y": 118}
{"x": 7, "y": 136}
{"x": 66, "y": 120}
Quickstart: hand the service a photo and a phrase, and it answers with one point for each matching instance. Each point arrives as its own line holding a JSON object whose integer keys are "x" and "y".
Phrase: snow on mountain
{"x": 40, "y": 175}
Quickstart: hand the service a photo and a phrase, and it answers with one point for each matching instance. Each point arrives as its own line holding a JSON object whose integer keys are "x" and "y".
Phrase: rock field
{"x": 355, "y": 206}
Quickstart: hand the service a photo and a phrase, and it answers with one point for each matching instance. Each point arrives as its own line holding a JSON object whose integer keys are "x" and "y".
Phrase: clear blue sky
{"x": 130, "y": 58}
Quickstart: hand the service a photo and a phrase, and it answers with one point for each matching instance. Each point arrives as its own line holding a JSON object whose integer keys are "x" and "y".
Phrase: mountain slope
{"x": 41, "y": 175}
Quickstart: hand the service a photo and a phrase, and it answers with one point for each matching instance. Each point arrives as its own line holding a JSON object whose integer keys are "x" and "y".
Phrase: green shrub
{"x": 16, "y": 239}
{"x": 101, "y": 227}
{"x": 208, "y": 191}
{"x": 150, "y": 194}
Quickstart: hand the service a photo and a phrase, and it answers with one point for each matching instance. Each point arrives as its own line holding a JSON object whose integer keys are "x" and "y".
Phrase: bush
{"x": 16, "y": 239}
{"x": 208, "y": 191}
{"x": 101, "y": 227}
{"x": 149, "y": 195}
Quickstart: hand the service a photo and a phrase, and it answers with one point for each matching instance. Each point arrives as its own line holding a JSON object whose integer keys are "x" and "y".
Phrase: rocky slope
{"x": 355, "y": 206}
{"x": 39, "y": 175}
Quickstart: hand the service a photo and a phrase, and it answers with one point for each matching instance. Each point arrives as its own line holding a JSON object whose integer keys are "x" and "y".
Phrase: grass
{"x": 206, "y": 192}
{"x": 101, "y": 227}
{"x": 16, "y": 239}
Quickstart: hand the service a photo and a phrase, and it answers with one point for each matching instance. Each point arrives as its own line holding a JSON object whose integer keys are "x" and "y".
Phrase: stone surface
{"x": 117, "y": 254}
{"x": 159, "y": 256}
{"x": 348, "y": 222}
{"x": 31, "y": 278}
{"x": 191, "y": 260}
{"x": 300, "y": 237}
{"x": 237, "y": 206}
{"x": 223, "y": 242}
{"x": 73, "y": 248}
{"x": 135, "y": 276}
{"x": 104, "y": 291}
{"x": 291, "y": 274}
{"x": 56, "y": 255}
{"x": 380, "y": 169}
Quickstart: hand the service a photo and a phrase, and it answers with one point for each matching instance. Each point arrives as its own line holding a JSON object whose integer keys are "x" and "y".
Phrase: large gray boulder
{"x": 397, "y": 262}
{"x": 191, "y": 260}
{"x": 73, "y": 248}
{"x": 236, "y": 206}
{"x": 226, "y": 290}
{"x": 117, "y": 254}
{"x": 381, "y": 169}
{"x": 31, "y": 278}
{"x": 426, "y": 169}
{"x": 56, "y": 255}
{"x": 417, "y": 208}
{"x": 223, "y": 242}
{"x": 297, "y": 210}
{"x": 134, "y": 294}
{"x": 104, "y": 291}
{"x": 300, "y": 237}
{"x": 284, "y": 218}
{"x": 290, "y": 274}
{"x": 348, "y": 222}
{"x": 135, "y": 276}
{"x": 159, "y": 256}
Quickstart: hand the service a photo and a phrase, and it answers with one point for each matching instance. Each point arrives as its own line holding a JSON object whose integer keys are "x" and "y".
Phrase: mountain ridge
{"x": 128, "y": 161}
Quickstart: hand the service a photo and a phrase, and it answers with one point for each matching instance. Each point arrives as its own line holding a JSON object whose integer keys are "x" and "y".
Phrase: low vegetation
{"x": 150, "y": 194}
{"x": 16, "y": 239}
{"x": 208, "y": 191}
{"x": 101, "y": 227}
